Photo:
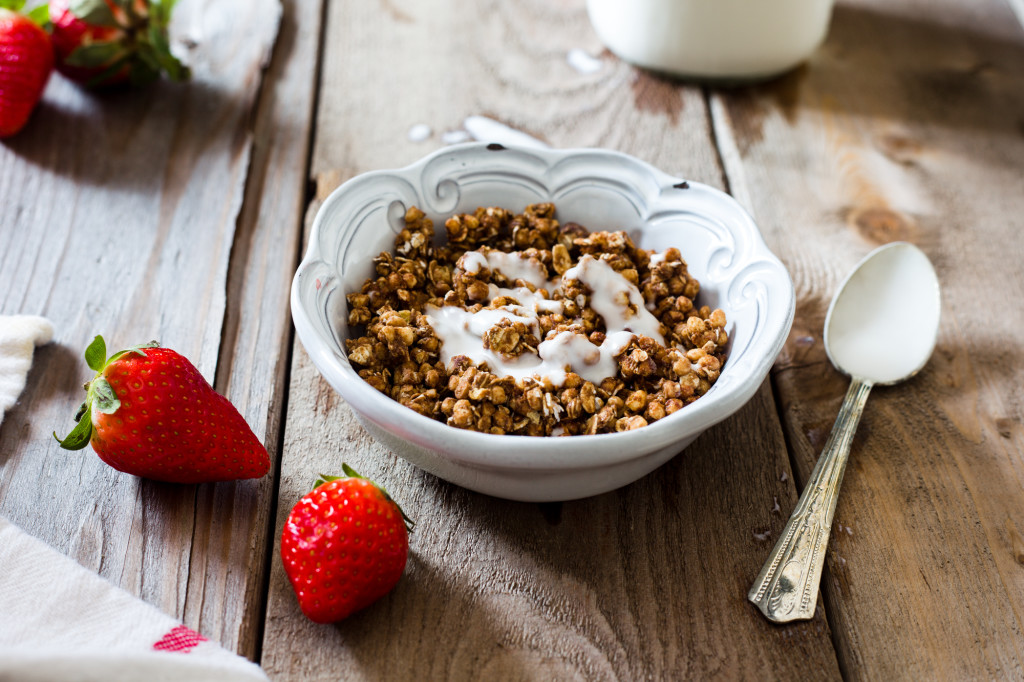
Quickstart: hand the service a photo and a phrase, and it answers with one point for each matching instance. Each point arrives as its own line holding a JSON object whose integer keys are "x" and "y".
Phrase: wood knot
{"x": 901, "y": 149}
{"x": 1016, "y": 542}
{"x": 326, "y": 398}
{"x": 656, "y": 94}
{"x": 882, "y": 225}
{"x": 1004, "y": 425}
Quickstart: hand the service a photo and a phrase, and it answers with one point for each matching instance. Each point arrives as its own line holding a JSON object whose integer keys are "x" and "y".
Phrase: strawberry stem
{"x": 351, "y": 473}
{"x": 133, "y": 43}
{"x": 99, "y": 394}
{"x": 102, "y": 398}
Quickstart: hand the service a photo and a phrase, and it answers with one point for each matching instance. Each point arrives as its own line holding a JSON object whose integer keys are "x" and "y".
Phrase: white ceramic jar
{"x": 712, "y": 39}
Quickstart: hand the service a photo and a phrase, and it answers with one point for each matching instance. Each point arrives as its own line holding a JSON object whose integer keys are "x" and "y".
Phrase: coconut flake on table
{"x": 419, "y": 132}
{"x": 583, "y": 61}
{"x": 455, "y": 137}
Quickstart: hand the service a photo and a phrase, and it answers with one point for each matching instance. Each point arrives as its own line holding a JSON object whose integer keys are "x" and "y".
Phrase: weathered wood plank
{"x": 256, "y": 339}
{"x": 907, "y": 125}
{"x": 119, "y": 218}
{"x": 648, "y": 582}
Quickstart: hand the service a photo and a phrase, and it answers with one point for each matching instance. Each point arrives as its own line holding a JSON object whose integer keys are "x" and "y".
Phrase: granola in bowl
{"x": 523, "y": 325}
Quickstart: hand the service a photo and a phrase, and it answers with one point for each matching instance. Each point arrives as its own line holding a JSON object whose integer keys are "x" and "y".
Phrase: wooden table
{"x": 178, "y": 213}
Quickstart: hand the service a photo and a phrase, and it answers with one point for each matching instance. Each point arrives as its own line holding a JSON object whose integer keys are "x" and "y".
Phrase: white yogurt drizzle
{"x": 530, "y": 300}
{"x": 511, "y": 265}
{"x": 592, "y": 363}
{"x": 615, "y": 298}
{"x": 473, "y": 261}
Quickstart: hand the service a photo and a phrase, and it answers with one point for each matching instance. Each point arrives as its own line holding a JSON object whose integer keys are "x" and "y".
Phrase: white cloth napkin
{"x": 19, "y": 335}
{"x": 60, "y": 621}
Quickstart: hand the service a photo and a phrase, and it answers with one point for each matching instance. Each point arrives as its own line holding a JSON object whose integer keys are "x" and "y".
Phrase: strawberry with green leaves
{"x": 26, "y": 61}
{"x": 108, "y": 42}
{"x": 344, "y": 546}
{"x": 149, "y": 412}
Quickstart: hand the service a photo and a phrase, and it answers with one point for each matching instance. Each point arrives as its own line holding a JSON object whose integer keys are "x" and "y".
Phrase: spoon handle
{"x": 787, "y": 587}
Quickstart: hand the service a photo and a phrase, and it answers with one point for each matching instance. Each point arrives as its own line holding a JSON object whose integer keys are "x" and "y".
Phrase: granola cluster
{"x": 539, "y": 294}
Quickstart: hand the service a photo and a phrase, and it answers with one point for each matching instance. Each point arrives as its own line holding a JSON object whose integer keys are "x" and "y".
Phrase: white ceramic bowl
{"x": 601, "y": 190}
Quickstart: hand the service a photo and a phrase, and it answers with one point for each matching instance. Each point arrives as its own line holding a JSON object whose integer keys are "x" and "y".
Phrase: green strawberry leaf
{"x": 109, "y": 72}
{"x": 13, "y": 5}
{"x": 100, "y": 395}
{"x": 351, "y": 473}
{"x": 80, "y": 435}
{"x": 95, "y": 12}
{"x": 324, "y": 478}
{"x": 160, "y": 12}
{"x": 103, "y": 397}
{"x": 142, "y": 74}
{"x": 145, "y": 66}
{"x": 138, "y": 350}
{"x": 94, "y": 55}
{"x": 159, "y": 51}
{"x": 40, "y": 16}
{"x": 96, "y": 354}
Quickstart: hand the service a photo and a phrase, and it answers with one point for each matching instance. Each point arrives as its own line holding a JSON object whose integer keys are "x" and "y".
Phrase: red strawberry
{"x": 106, "y": 42}
{"x": 149, "y": 412}
{"x": 26, "y": 60}
{"x": 344, "y": 546}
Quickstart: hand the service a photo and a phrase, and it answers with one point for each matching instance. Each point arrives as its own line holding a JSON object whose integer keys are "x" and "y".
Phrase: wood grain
{"x": 648, "y": 582}
{"x": 256, "y": 340}
{"x": 119, "y": 218}
{"x": 907, "y": 126}
{"x": 176, "y": 213}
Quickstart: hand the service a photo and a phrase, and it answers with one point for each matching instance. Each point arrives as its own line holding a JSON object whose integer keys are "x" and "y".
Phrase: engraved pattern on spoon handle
{"x": 786, "y": 589}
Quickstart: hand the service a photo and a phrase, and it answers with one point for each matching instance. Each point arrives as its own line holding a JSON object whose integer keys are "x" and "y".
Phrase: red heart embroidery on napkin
{"x": 181, "y": 639}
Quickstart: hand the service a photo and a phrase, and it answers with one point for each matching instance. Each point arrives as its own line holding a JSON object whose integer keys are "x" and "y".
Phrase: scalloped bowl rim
{"x": 512, "y": 453}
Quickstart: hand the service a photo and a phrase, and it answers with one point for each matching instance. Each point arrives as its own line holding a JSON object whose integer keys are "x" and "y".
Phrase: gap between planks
{"x": 735, "y": 181}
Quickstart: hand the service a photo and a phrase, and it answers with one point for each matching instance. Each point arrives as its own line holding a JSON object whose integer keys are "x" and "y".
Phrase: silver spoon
{"x": 880, "y": 329}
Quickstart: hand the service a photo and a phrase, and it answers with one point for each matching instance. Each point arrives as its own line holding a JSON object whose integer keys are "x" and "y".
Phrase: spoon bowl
{"x": 881, "y": 328}
{"x": 883, "y": 321}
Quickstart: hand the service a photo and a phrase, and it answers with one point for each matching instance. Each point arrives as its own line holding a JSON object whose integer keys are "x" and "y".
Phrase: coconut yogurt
{"x": 617, "y": 300}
